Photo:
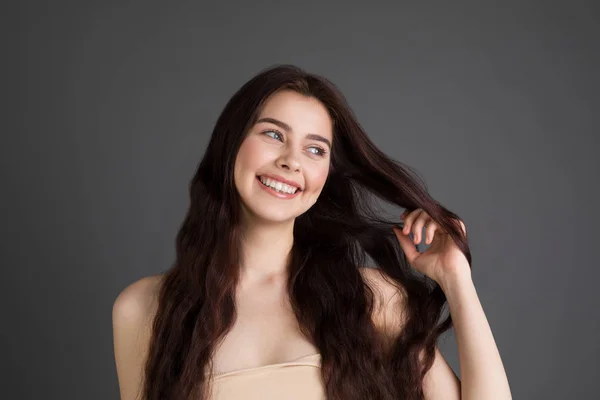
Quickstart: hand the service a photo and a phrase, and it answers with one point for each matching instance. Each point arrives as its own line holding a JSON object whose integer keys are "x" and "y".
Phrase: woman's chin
{"x": 263, "y": 216}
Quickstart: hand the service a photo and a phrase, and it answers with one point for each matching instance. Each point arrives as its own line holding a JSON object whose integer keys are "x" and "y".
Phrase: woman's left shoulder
{"x": 389, "y": 302}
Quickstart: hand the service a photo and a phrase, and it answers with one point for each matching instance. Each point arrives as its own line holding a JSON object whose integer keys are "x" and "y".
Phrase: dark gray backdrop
{"x": 112, "y": 104}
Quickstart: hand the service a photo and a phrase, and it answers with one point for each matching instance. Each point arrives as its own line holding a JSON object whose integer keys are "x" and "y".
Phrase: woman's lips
{"x": 275, "y": 193}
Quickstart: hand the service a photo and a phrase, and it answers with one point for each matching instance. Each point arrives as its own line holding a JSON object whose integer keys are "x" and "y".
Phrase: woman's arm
{"x": 482, "y": 373}
{"x": 481, "y": 370}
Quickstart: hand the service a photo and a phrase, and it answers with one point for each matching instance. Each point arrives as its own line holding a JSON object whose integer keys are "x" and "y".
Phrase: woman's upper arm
{"x": 132, "y": 315}
{"x": 440, "y": 382}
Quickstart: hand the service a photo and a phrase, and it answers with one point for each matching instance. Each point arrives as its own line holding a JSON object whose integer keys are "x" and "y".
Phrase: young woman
{"x": 269, "y": 296}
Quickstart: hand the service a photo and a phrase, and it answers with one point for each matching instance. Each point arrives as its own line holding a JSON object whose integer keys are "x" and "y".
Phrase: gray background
{"x": 111, "y": 107}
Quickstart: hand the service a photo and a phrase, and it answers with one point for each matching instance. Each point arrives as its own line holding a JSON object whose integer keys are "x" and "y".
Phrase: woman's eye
{"x": 319, "y": 152}
{"x": 271, "y": 130}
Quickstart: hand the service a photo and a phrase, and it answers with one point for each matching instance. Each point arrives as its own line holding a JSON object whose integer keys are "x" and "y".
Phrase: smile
{"x": 278, "y": 189}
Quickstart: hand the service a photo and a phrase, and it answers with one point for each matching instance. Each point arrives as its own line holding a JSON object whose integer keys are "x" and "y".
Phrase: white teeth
{"x": 279, "y": 186}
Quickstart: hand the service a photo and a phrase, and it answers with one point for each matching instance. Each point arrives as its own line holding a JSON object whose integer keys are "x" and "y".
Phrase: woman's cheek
{"x": 322, "y": 176}
{"x": 255, "y": 152}
{"x": 318, "y": 179}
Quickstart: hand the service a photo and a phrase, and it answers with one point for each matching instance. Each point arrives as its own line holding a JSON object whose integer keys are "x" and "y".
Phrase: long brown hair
{"x": 331, "y": 301}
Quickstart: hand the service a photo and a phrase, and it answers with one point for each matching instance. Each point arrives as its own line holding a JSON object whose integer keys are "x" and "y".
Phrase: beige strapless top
{"x": 292, "y": 380}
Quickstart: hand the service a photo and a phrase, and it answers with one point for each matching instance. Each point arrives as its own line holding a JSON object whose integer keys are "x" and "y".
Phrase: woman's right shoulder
{"x": 138, "y": 301}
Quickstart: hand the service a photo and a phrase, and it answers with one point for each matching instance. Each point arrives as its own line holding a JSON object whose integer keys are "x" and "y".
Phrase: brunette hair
{"x": 331, "y": 301}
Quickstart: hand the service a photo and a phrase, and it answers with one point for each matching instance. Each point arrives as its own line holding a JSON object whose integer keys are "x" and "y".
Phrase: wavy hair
{"x": 196, "y": 306}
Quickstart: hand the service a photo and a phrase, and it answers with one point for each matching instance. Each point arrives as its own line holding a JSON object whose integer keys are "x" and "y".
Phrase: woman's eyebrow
{"x": 288, "y": 128}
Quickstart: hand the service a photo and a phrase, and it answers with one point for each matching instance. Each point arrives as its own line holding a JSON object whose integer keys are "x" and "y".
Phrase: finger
{"x": 409, "y": 219}
{"x": 418, "y": 226}
{"x": 430, "y": 229}
{"x": 463, "y": 227}
{"x": 407, "y": 245}
{"x": 404, "y": 214}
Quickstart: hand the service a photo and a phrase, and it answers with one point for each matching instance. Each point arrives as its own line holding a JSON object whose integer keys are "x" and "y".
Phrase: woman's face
{"x": 291, "y": 141}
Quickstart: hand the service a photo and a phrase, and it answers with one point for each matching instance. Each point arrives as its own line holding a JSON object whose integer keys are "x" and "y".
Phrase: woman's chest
{"x": 264, "y": 333}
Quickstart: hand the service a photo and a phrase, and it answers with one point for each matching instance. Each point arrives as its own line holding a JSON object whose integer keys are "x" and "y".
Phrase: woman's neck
{"x": 265, "y": 251}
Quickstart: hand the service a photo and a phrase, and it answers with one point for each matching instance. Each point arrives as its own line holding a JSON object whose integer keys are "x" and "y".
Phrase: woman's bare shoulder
{"x": 381, "y": 283}
{"x": 389, "y": 304}
{"x": 138, "y": 300}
